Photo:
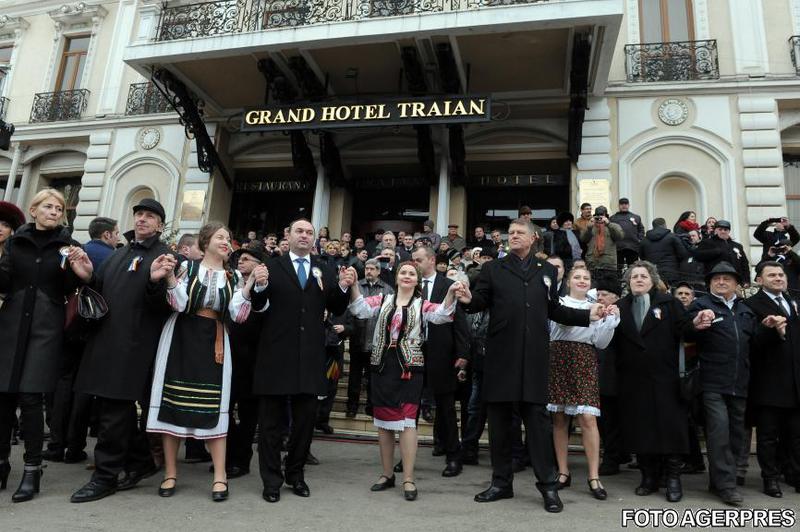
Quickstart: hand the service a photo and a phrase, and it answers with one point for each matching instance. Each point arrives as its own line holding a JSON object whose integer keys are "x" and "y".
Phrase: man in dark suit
{"x": 290, "y": 361}
{"x": 446, "y": 351}
{"x": 775, "y": 377}
{"x": 519, "y": 290}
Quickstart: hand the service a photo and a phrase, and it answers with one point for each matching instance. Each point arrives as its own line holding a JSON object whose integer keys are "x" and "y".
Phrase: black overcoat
{"x": 775, "y": 363}
{"x": 119, "y": 355}
{"x": 32, "y": 316}
{"x": 291, "y": 348}
{"x": 648, "y": 380}
{"x": 518, "y": 338}
{"x": 445, "y": 343}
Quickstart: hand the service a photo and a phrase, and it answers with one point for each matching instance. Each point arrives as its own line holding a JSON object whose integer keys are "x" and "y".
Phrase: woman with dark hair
{"x": 686, "y": 222}
{"x": 190, "y": 393}
{"x": 398, "y": 364}
{"x": 707, "y": 231}
{"x": 41, "y": 265}
{"x": 565, "y": 241}
{"x": 647, "y": 345}
{"x": 10, "y": 220}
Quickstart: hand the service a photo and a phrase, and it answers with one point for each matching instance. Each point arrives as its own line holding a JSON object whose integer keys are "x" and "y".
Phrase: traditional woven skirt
{"x": 190, "y": 394}
{"x": 573, "y": 385}
{"x": 395, "y": 401}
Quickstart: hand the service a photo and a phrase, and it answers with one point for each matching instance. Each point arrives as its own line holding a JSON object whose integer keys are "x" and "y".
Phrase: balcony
{"x": 794, "y": 42}
{"x": 4, "y": 102}
{"x": 672, "y": 61}
{"x": 146, "y": 99}
{"x": 224, "y": 17}
{"x": 59, "y": 106}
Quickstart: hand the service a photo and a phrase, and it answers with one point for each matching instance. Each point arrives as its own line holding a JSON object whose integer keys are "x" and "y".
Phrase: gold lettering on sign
{"x": 434, "y": 110}
{"x": 418, "y": 110}
{"x": 328, "y": 114}
{"x": 460, "y": 110}
{"x": 404, "y": 109}
{"x": 476, "y": 108}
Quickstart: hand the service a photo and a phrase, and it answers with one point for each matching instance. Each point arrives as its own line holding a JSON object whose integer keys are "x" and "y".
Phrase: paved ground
{"x": 341, "y": 500}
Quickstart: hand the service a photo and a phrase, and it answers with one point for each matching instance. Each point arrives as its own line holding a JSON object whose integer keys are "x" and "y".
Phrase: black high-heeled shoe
{"x": 410, "y": 495}
{"x": 567, "y": 483}
{"x": 167, "y": 492}
{"x": 599, "y": 492}
{"x": 219, "y": 496}
{"x": 29, "y": 485}
{"x": 5, "y": 469}
{"x": 386, "y": 484}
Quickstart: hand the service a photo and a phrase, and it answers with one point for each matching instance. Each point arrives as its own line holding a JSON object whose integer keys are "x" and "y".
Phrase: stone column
{"x": 12, "y": 174}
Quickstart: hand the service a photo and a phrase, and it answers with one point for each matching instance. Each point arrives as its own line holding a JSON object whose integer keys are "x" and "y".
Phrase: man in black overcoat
{"x": 775, "y": 378}
{"x": 117, "y": 364}
{"x": 290, "y": 362}
{"x": 519, "y": 290}
{"x": 446, "y": 351}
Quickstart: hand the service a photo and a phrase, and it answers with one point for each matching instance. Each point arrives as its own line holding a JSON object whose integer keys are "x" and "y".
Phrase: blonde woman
{"x": 41, "y": 264}
{"x": 573, "y": 385}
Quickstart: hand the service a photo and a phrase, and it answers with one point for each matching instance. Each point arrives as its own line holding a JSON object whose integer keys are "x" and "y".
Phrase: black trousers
{"x": 539, "y": 430}
{"x": 271, "y": 415}
{"x": 446, "y": 426}
{"x": 725, "y": 437}
{"x": 31, "y": 407}
{"x": 653, "y": 465}
{"x": 70, "y": 411}
{"x": 359, "y": 372}
{"x": 610, "y": 424}
{"x": 121, "y": 442}
{"x": 774, "y": 423}
{"x": 476, "y": 419}
{"x": 626, "y": 257}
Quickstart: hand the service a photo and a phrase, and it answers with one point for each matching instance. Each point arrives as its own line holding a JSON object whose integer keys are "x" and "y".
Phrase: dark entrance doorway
{"x": 266, "y": 201}
{"x": 494, "y": 199}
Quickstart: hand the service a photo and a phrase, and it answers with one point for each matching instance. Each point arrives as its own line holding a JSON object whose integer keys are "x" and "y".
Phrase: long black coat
{"x": 32, "y": 316}
{"x": 517, "y": 359}
{"x": 712, "y": 251}
{"x": 445, "y": 343}
{"x": 775, "y": 363}
{"x": 119, "y": 355}
{"x": 648, "y": 381}
{"x": 664, "y": 249}
{"x": 291, "y": 349}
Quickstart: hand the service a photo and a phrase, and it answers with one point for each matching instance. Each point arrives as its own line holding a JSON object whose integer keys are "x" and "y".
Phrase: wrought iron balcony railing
{"x": 672, "y": 61}
{"x": 144, "y": 99}
{"x": 223, "y": 17}
{"x": 794, "y": 41}
{"x": 58, "y": 106}
{"x": 4, "y": 107}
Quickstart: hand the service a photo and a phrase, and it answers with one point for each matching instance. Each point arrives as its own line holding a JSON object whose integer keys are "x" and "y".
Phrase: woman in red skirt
{"x": 573, "y": 384}
{"x": 398, "y": 365}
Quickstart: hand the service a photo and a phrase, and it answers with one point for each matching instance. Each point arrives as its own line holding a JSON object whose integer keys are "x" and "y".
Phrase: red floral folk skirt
{"x": 573, "y": 386}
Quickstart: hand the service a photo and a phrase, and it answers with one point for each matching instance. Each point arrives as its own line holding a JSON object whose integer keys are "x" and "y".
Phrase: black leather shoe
{"x": 300, "y": 488}
{"x": 552, "y": 502}
{"x": 53, "y": 455}
{"x": 271, "y": 495}
{"x": 386, "y": 484}
{"x": 311, "y": 459}
{"x": 730, "y": 496}
{"x": 608, "y": 468}
{"x": 167, "y": 492}
{"x": 398, "y": 467}
{"x": 494, "y": 494}
{"x": 674, "y": 491}
{"x": 93, "y": 491}
{"x": 598, "y": 492}
{"x": 772, "y": 488}
{"x": 29, "y": 485}
{"x": 132, "y": 478}
{"x": 410, "y": 494}
{"x": 438, "y": 451}
{"x": 75, "y": 457}
{"x": 469, "y": 459}
{"x": 324, "y": 428}
{"x": 350, "y": 414}
{"x": 453, "y": 469}
{"x": 236, "y": 472}
{"x": 567, "y": 482}
{"x": 647, "y": 487}
{"x": 219, "y": 496}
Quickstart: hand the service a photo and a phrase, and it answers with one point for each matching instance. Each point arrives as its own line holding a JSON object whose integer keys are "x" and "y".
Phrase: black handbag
{"x": 83, "y": 307}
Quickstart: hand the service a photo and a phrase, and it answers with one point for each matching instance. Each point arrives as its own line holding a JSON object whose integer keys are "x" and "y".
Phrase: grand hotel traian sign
{"x": 366, "y": 113}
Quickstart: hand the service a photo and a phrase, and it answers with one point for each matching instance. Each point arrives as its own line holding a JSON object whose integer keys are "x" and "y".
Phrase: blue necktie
{"x": 301, "y": 272}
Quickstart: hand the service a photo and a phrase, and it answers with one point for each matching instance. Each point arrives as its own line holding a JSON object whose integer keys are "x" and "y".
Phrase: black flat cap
{"x": 149, "y": 204}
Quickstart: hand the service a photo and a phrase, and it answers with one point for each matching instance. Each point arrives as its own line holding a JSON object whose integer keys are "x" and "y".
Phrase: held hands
{"x": 347, "y": 277}
{"x": 80, "y": 263}
{"x": 460, "y": 292}
{"x": 776, "y": 322}
{"x": 597, "y": 312}
{"x": 703, "y": 319}
{"x": 163, "y": 267}
{"x": 260, "y": 275}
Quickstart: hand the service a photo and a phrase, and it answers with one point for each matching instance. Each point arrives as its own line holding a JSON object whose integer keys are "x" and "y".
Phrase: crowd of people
{"x": 640, "y": 337}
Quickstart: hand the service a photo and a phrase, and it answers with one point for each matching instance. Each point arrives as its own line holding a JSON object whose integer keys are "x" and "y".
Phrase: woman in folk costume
{"x": 398, "y": 364}
{"x": 573, "y": 385}
{"x": 190, "y": 393}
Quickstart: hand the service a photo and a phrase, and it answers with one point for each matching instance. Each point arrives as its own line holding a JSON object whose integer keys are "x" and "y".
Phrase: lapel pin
{"x": 64, "y": 252}
{"x": 657, "y": 313}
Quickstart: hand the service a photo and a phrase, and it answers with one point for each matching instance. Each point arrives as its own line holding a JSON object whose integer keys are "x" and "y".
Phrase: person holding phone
{"x": 777, "y": 237}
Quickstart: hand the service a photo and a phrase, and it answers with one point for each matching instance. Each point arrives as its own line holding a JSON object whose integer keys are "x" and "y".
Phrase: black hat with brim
{"x": 11, "y": 214}
{"x": 723, "y": 268}
{"x": 149, "y": 204}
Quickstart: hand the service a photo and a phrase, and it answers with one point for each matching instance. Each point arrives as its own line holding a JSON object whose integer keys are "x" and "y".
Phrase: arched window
{"x": 672, "y": 196}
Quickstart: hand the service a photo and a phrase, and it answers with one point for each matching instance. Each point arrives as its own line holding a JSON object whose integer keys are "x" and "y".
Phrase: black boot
{"x": 674, "y": 489}
{"x": 5, "y": 469}
{"x": 29, "y": 485}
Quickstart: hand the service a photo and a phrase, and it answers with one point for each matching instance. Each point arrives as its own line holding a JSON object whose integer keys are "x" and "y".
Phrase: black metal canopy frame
{"x": 190, "y": 111}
